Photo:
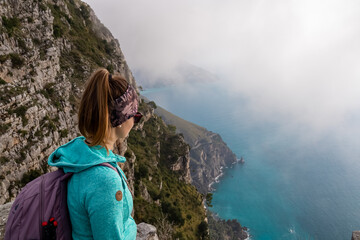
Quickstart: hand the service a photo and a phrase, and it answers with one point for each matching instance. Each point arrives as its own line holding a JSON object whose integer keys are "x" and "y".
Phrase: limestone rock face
{"x": 182, "y": 165}
{"x": 355, "y": 235}
{"x": 208, "y": 157}
{"x": 4, "y": 212}
{"x": 144, "y": 192}
{"x": 146, "y": 232}
{"x": 208, "y": 152}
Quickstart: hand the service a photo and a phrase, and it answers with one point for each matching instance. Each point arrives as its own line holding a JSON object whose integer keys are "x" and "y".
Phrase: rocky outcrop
{"x": 146, "y": 232}
{"x": 144, "y": 192}
{"x": 209, "y": 154}
{"x": 4, "y": 212}
{"x": 182, "y": 163}
{"x": 355, "y": 235}
{"x": 226, "y": 229}
{"x": 208, "y": 157}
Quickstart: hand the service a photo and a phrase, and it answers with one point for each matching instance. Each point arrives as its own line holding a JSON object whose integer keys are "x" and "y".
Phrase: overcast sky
{"x": 299, "y": 58}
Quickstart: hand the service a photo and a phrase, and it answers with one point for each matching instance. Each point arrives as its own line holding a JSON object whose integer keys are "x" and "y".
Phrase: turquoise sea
{"x": 296, "y": 183}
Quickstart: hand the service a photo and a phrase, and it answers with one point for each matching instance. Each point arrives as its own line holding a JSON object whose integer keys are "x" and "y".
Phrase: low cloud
{"x": 293, "y": 59}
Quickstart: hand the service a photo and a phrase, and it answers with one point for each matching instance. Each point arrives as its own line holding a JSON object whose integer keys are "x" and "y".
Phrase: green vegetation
{"x": 20, "y": 112}
{"x": 2, "y": 81}
{"x": 4, "y": 160}
{"x": 22, "y": 132}
{"x": 42, "y": 7}
{"x": 21, "y": 158}
{"x": 203, "y": 230}
{"x": 49, "y": 123}
{"x": 38, "y": 133}
{"x": 192, "y": 131}
{"x": 32, "y": 73}
{"x": 49, "y": 92}
{"x": 152, "y": 104}
{"x": 4, "y": 127}
{"x": 36, "y": 41}
{"x": 72, "y": 99}
{"x": 110, "y": 68}
{"x": 3, "y": 58}
{"x": 58, "y": 31}
{"x": 221, "y": 229}
{"x": 42, "y": 54}
{"x": 85, "y": 12}
{"x": 8, "y": 92}
{"x": 16, "y": 60}
{"x": 11, "y": 24}
{"x": 209, "y": 197}
{"x": 28, "y": 177}
{"x": 64, "y": 133}
{"x": 173, "y": 212}
{"x": 180, "y": 203}
{"x": 30, "y": 19}
{"x": 143, "y": 171}
{"x": 22, "y": 44}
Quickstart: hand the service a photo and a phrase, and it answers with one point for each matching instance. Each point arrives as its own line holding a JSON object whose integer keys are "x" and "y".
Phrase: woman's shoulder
{"x": 98, "y": 176}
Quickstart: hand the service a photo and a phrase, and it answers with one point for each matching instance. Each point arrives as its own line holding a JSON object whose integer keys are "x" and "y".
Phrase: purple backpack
{"x": 40, "y": 210}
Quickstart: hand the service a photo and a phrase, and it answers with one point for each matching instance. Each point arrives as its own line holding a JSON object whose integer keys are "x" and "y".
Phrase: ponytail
{"x": 94, "y": 107}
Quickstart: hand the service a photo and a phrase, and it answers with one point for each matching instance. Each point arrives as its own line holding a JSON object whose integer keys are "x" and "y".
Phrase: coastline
{"x": 244, "y": 230}
{"x": 211, "y": 189}
{"x": 217, "y": 178}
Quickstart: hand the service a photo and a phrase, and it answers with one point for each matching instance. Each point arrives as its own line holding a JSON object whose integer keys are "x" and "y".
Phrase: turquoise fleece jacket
{"x": 97, "y": 209}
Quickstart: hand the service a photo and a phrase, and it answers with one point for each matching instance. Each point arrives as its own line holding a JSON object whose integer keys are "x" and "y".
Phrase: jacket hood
{"x": 76, "y": 156}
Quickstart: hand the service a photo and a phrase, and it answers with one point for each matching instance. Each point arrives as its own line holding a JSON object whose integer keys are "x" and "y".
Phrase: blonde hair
{"x": 96, "y": 105}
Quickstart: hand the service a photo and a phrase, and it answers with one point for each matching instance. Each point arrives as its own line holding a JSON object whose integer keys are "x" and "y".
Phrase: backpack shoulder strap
{"x": 105, "y": 164}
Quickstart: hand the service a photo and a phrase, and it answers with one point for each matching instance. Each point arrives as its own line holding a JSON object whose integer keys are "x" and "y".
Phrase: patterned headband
{"x": 124, "y": 107}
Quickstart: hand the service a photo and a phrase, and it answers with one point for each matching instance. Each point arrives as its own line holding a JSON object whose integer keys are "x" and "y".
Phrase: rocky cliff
{"x": 208, "y": 153}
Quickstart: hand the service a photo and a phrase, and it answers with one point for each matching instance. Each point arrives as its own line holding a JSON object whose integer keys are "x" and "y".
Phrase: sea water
{"x": 294, "y": 184}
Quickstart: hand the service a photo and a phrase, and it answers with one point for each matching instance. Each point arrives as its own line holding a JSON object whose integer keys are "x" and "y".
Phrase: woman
{"x": 99, "y": 200}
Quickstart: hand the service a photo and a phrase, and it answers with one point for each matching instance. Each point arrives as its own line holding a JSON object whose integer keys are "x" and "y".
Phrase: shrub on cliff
{"x": 58, "y": 31}
{"x": 203, "y": 229}
{"x": 174, "y": 213}
{"x": 221, "y": 229}
{"x": 11, "y": 24}
{"x": 16, "y": 60}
